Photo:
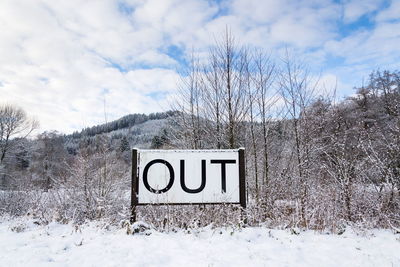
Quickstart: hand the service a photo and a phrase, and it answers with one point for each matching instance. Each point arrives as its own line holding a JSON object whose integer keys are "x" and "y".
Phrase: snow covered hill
{"x": 23, "y": 243}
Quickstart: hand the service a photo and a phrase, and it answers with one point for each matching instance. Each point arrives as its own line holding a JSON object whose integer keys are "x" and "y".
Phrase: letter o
{"x": 171, "y": 177}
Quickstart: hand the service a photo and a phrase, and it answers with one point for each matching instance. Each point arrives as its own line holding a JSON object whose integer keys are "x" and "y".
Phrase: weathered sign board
{"x": 179, "y": 177}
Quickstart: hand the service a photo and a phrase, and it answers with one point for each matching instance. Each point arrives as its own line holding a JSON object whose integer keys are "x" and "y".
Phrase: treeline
{"x": 70, "y": 178}
{"x": 312, "y": 161}
{"x": 44, "y": 161}
{"x": 124, "y": 122}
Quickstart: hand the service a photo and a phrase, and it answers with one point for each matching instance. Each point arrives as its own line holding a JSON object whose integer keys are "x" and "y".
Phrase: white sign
{"x": 188, "y": 176}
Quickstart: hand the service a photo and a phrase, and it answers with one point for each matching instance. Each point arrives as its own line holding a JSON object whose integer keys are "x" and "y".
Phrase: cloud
{"x": 367, "y": 50}
{"x": 390, "y": 13}
{"x": 64, "y": 61}
{"x": 59, "y": 62}
{"x": 354, "y": 9}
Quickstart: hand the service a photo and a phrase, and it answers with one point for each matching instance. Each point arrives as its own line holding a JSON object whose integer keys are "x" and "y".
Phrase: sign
{"x": 188, "y": 177}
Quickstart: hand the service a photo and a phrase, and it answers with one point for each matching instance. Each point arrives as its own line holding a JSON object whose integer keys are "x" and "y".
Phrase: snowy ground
{"x": 23, "y": 243}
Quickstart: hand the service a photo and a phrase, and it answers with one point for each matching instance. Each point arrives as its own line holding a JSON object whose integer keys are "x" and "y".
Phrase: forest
{"x": 313, "y": 161}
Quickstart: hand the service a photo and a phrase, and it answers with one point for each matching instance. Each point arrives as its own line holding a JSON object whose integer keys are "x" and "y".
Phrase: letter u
{"x": 203, "y": 178}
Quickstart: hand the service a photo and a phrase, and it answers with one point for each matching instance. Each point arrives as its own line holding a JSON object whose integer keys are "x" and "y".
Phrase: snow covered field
{"x": 23, "y": 243}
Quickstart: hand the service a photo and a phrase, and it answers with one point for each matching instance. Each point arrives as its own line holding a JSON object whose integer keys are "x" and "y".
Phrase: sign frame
{"x": 135, "y": 183}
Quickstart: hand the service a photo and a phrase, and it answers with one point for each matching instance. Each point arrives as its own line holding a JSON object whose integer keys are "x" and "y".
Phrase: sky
{"x": 77, "y": 63}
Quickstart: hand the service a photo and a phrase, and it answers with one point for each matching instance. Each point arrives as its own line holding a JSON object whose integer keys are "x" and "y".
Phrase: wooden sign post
{"x": 186, "y": 177}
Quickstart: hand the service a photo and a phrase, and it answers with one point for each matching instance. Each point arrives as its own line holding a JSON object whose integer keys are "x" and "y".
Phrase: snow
{"x": 24, "y": 243}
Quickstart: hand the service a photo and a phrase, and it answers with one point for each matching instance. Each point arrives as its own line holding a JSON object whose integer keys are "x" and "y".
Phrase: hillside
{"x": 125, "y": 122}
{"x": 138, "y": 129}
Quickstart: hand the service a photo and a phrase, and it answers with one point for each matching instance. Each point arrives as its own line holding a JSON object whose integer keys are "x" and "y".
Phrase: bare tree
{"x": 188, "y": 103}
{"x": 230, "y": 62}
{"x": 251, "y": 94}
{"x": 213, "y": 97}
{"x": 48, "y": 159}
{"x": 13, "y": 123}
{"x": 297, "y": 90}
{"x": 264, "y": 77}
{"x": 96, "y": 180}
{"x": 342, "y": 165}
